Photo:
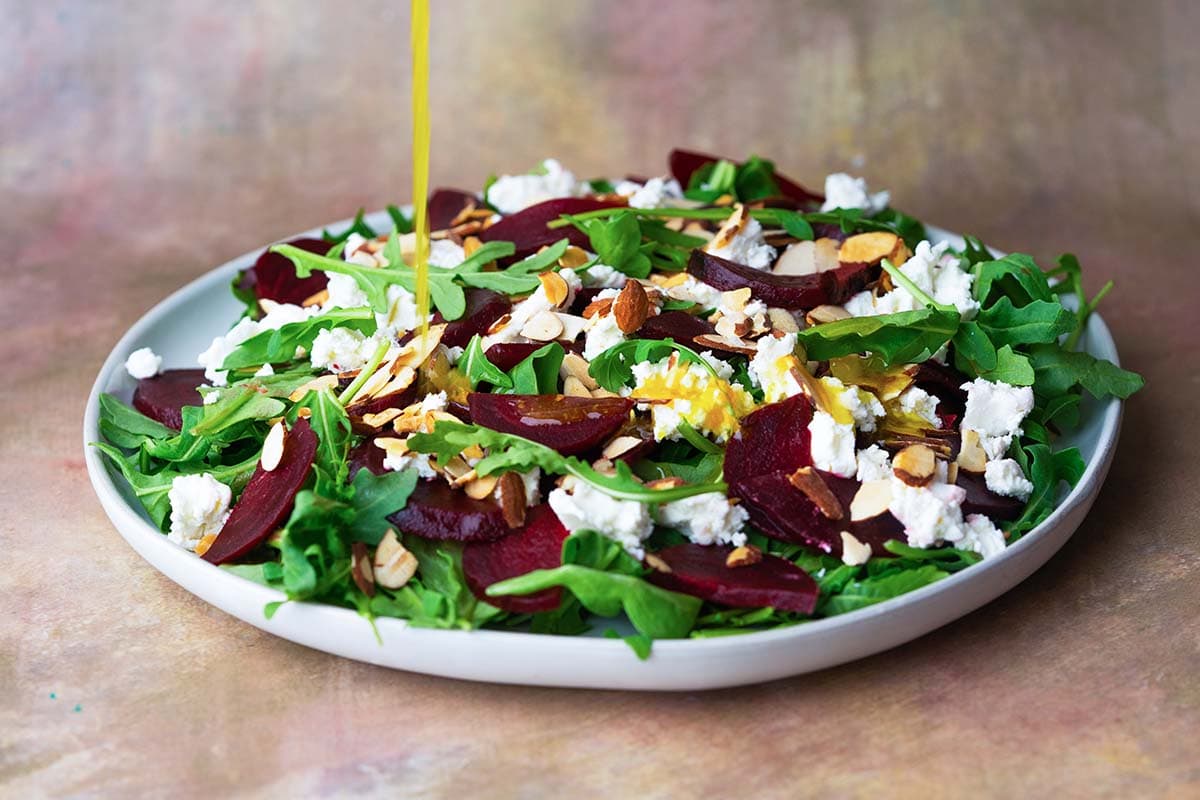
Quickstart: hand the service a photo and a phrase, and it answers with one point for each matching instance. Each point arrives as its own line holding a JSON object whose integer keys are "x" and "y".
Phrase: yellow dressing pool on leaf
{"x": 711, "y": 405}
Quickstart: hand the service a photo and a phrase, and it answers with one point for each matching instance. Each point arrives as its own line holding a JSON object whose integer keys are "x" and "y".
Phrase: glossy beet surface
{"x": 537, "y": 545}
{"x": 570, "y": 425}
{"x": 446, "y": 204}
{"x": 527, "y": 228}
{"x": 700, "y": 571}
{"x": 267, "y": 499}
{"x": 507, "y": 355}
{"x": 683, "y": 163}
{"x": 275, "y": 275}
{"x": 435, "y": 511}
{"x": 163, "y": 397}
{"x": 793, "y": 292}
{"x": 774, "y": 438}
{"x": 678, "y": 325}
{"x": 483, "y": 308}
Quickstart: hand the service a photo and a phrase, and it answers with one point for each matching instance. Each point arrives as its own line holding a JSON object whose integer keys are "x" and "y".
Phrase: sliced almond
{"x": 915, "y": 465}
{"x": 393, "y": 565}
{"x": 731, "y": 329}
{"x": 481, "y": 487}
{"x": 598, "y": 308}
{"x": 266, "y": 305}
{"x": 872, "y": 247}
{"x": 736, "y": 299}
{"x": 744, "y": 556}
{"x": 573, "y": 387}
{"x": 807, "y": 258}
{"x": 205, "y": 542}
{"x": 809, "y": 481}
{"x": 380, "y": 419}
{"x": 782, "y": 320}
{"x": 499, "y": 324}
{"x": 708, "y": 341}
{"x": 572, "y": 326}
{"x": 730, "y": 228}
{"x": 360, "y": 568}
{"x": 464, "y": 215}
{"x": 619, "y": 446}
{"x": 971, "y": 456}
{"x": 317, "y": 299}
{"x": 543, "y": 327}
{"x": 372, "y": 387}
{"x": 602, "y": 392}
{"x": 872, "y": 499}
{"x": 631, "y": 307}
{"x": 952, "y": 472}
{"x": 656, "y": 563}
{"x": 826, "y": 313}
{"x": 510, "y": 494}
{"x": 854, "y": 552}
{"x": 673, "y": 482}
{"x": 471, "y": 244}
{"x": 315, "y": 385}
{"x": 555, "y": 287}
{"x": 576, "y": 366}
{"x": 272, "y": 452}
{"x": 573, "y": 257}
{"x": 402, "y": 381}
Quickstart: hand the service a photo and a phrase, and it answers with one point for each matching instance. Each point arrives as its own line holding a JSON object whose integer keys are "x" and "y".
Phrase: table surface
{"x": 142, "y": 144}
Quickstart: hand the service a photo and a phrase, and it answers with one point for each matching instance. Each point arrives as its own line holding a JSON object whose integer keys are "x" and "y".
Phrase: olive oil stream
{"x": 420, "y": 154}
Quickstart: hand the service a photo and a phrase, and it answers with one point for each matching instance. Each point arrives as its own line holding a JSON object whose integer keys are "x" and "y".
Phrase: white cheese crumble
{"x": 401, "y": 314}
{"x": 265, "y": 371}
{"x": 652, "y": 194}
{"x": 199, "y": 507}
{"x": 932, "y": 515}
{"x": 920, "y": 403}
{"x": 706, "y": 519}
{"x": 533, "y": 490}
{"x": 770, "y": 368}
{"x": 342, "y": 350}
{"x": 746, "y": 248}
{"x": 344, "y": 292}
{"x": 453, "y": 354}
{"x": 419, "y": 461}
{"x": 602, "y": 332}
{"x": 981, "y": 536}
{"x": 280, "y": 314}
{"x": 832, "y": 445}
{"x": 696, "y": 291}
{"x": 143, "y": 363}
{"x": 602, "y": 276}
{"x": 935, "y": 272}
{"x": 995, "y": 412}
{"x": 846, "y": 191}
{"x": 874, "y": 464}
{"x": 580, "y": 507}
{"x": 862, "y": 405}
{"x": 446, "y": 254}
{"x": 512, "y": 193}
{"x": 1004, "y": 477}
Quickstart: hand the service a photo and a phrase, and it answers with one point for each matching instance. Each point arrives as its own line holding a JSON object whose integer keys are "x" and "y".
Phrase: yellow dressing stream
{"x": 420, "y": 155}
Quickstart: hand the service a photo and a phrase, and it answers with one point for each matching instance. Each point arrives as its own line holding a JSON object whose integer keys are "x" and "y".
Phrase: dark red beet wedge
{"x": 483, "y": 308}
{"x": 685, "y": 162}
{"x": 527, "y": 228}
{"x": 537, "y": 545}
{"x": 793, "y": 292}
{"x": 701, "y": 572}
{"x": 446, "y": 204}
{"x": 943, "y": 381}
{"x": 365, "y": 455}
{"x": 678, "y": 325}
{"x": 435, "y": 511}
{"x": 275, "y": 275}
{"x": 982, "y": 500}
{"x": 570, "y": 425}
{"x": 163, "y": 397}
{"x": 773, "y": 439}
{"x": 267, "y": 499}
{"x": 507, "y": 355}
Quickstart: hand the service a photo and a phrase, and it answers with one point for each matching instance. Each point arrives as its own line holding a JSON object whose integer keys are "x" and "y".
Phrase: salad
{"x": 710, "y": 402}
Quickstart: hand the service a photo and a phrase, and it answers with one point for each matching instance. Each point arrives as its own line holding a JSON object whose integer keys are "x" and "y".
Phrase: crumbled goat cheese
{"x": 533, "y": 490}
{"x": 212, "y": 358}
{"x": 706, "y": 519}
{"x": 981, "y": 536}
{"x": 434, "y": 401}
{"x": 747, "y": 248}
{"x": 920, "y": 403}
{"x": 342, "y": 350}
{"x": 199, "y": 507}
{"x": 511, "y": 193}
{"x": 771, "y": 367}
{"x": 832, "y": 445}
{"x": 930, "y": 514}
{"x": 419, "y": 461}
{"x": 265, "y": 371}
{"x": 344, "y": 292}
{"x": 995, "y": 412}
{"x": 652, "y": 194}
{"x": 863, "y": 406}
{"x": 722, "y": 368}
{"x": 1004, "y": 476}
{"x": 530, "y": 307}
{"x": 626, "y": 522}
{"x": 935, "y": 272}
{"x": 453, "y": 354}
{"x": 602, "y": 276}
{"x": 401, "y": 314}
{"x": 446, "y": 254}
{"x": 874, "y": 464}
{"x": 696, "y": 291}
{"x": 143, "y": 363}
{"x": 679, "y": 392}
{"x": 846, "y": 191}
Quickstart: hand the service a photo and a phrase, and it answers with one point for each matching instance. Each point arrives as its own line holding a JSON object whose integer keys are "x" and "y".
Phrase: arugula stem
{"x": 366, "y": 372}
{"x": 1085, "y": 311}
{"x": 916, "y": 291}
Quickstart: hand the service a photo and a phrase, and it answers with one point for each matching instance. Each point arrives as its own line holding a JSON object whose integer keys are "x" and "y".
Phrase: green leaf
{"x": 1011, "y": 367}
{"x": 613, "y": 368}
{"x": 401, "y": 223}
{"x": 974, "y": 353}
{"x": 375, "y": 497}
{"x": 862, "y": 593}
{"x": 1058, "y": 370}
{"x": 537, "y": 373}
{"x": 332, "y": 427}
{"x": 641, "y": 645}
{"x": 315, "y": 557}
{"x": 907, "y": 337}
{"x": 795, "y": 224}
{"x": 275, "y": 346}
{"x": 359, "y": 226}
{"x": 475, "y": 365}
{"x": 755, "y": 179}
{"x": 235, "y": 404}
{"x": 654, "y": 612}
{"x": 125, "y": 427}
{"x": 1038, "y": 321}
{"x": 617, "y": 241}
{"x": 541, "y": 261}
{"x": 1016, "y": 276}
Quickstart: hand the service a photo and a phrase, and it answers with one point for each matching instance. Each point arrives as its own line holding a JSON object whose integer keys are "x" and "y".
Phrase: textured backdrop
{"x": 143, "y": 143}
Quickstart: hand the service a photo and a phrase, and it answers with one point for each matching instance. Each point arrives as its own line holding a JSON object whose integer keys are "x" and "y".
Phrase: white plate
{"x": 183, "y": 325}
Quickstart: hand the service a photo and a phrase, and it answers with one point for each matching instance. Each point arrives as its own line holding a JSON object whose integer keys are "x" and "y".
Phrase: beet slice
{"x": 267, "y": 499}
{"x": 982, "y": 500}
{"x": 365, "y": 455}
{"x": 400, "y": 399}
{"x": 700, "y": 571}
{"x": 527, "y": 228}
{"x": 678, "y": 325}
{"x": 435, "y": 511}
{"x": 484, "y": 307}
{"x": 275, "y": 275}
{"x": 685, "y": 162}
{"x": 446, "y": 204}
{"x": 774, "y": 438}
{"x": 506, "y": 355}
{"x": 537, "y": 545}
{"x": 945, "y": 382}
{"x": 793, "y": 292}
{"x": 570, "y": 425}
{"x": 163, "y": 397}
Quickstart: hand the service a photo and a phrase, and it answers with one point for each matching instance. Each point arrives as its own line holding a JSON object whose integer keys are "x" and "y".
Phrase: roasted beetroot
{"x": 366, "y": 455}
{"x": 375, "y": 405}
{"x": 570, "y": 425}
{"x": 774, "y": 438}
{"x": 537, "y": 545}
{"x": 163, "y": 397}
{"x": 982, "y": 500}
{"x": 275, "y": 275}
{"x": 685, "y": 162}
{"x": 507, "y": 355}
{"x": 527, "y": 228}
{"x": 483, "y": 308}
{"x": 446, "y": 204}
{"x": 793, "y": 292}
{"x": 435, "y": 511}
{"x": 678, "y": 325}
{"x": 701, "y": 572}
{"x": 267, "y": 499}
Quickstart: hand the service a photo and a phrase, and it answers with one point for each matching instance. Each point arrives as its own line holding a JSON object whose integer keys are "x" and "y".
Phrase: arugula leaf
{"x": 235, "y": 404}
{"x": 1017, "y": 276}
{"x": 974, "y": 353}
{"x": 910, "y": 229}
{"x": 475, "y": 365}
{"x": 438, "y": 597}
{"x": 906, "y": 337}
{"x": 315, "y": 558}
{"x": 537, "y": 373}
{"x": 376, "y": 496}
{"x": 1011, "y": 367}
{"x": 329, "y": 421}
{"x": 275, "y": 346}
{"x": 359, "y": 226}
{"x": 795, "y": 224}
{"x": 868, "y": 591}
{"x": 613, "y": 368}
{"x": 1036, "y": 322}
{"x": 755, "y": 179}
{"x": 1058, "y": 370}
{"x": 638, "y": 643}
{"x": 617, "y": 241}
{"x": 400, "y": 223}
{"x": 541, "y": 261}
{"x": 1046, "y": 470}
{"x": 126, "y": 427}
{"x": 246, "y": 296}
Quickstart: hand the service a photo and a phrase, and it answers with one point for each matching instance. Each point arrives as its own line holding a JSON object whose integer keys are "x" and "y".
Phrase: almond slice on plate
{"x": 915, "y": 465}
{"x": 809, "y": 481}
{"x": 272, "y": 452}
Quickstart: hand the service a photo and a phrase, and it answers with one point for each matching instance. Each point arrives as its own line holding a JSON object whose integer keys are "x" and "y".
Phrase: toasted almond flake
{"x": 304, "y": 413}
{"x": 807, "y": 258}
{"x": 671, "y": 281}
{"x": 598, "y": 308}
{"x": 631, "y": 307}
{"x": 499, "y": 324}
{"x": 572, "y": 325}
{"x": 205, "y": 542}
{"x": 872, "y": 247}
{"x": 360, "y": 568}
{"x": 971, "y": 456}
{"x": 854, "y": 552}
{"x": 463, "y": 215}
{"x": 267, "y": 305}
{"x": 782, "y": 320}
{"x": 372, "y": 387}
{"x": 620, "y": 446}
{"x": 471, "y": 244}
{"x": 698, "y": 230}
{"x": 272, "y": 452}
{"x": 573, "y": 387}
{"x": 393, "y": 566}
{"x": 576, "y": 366}
{"x": 672, "y": 482}
{"x": 730, "y": 228}
{"x": 510, "y": 494}
{"x": 573, "y": 257}
{"x": 952, "y": 472}
{"x": 380, "y": 419}
{"x": 543, "y": 327}
{"x": 317, "y": 299}
{"x": 736, "y": 299}
{"x": 458, "y": 470}
{"x": 744, "y": 556}
{"x": 723, "y": 200}
{"x": 731, "y": 329}
{"x": 481, "y": 487}
{"x": 398, "y": 384}
{"x": 915, "y": 465}
{"x": 809, "y": 481}
{"x": 392, "y": 445}
{"x": 871, "y": 500}
{"x": 315, "y": 385}
{"x": 656, "y": 563}
{"x": 826, "y": 313}
{"x": 555, "y": 287}
{"x": 602, "y": 392}
{"x": 709, "y": 341}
